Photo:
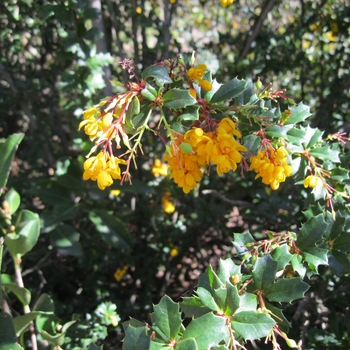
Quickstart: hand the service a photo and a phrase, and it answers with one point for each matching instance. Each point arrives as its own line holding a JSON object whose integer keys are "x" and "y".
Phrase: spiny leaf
{"x": 264, "y": 272}
{"x": 229, "y": 90}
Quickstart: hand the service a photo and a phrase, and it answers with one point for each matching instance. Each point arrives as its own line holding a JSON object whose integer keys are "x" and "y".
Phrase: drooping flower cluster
{"x": 103, "y": 168}
{"x": 190, "y": 154}
{"x": 272, "y": 166}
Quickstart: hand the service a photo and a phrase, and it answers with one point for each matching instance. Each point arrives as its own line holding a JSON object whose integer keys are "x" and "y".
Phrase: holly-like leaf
{"x": 136, "y": 337}
{"x": 315, "y": 257}
{"x": 264, "y": 272}
{"x": 232, "y": 300}
{"x": 297, "y": 265}
{"x": 159, "y": 73}
{"x": 178, "y": 98}
{"x": 208, "y": 330}
{"x": 278, "y": 131}
{"x": 7, "y": 151}
{"x": 326, "y": 153}
{"x": 229, "y": 90}
{"x": 227, "y": 269}
{"x": 28, "y": 231}
{"x": 282, "y": 256}
{"x": 248, "y": 302}
{"x": 207, "y": 298}
{"x": 240, "y": 240}
{"x": 167, "y": 317}
{"x": 278, "y": 316}
{"x": 299, "y": 114}
{"x": 190, "y": 113}
{"x": 286, "y": 290}
{"x": 140, "y": 120}
{"x": 187, "y": 344}
{"x": 193, "y": 307}
{"x": 312, "y": 137}
{"x": 312, "y": 232}
{"x": 252, "y": 325}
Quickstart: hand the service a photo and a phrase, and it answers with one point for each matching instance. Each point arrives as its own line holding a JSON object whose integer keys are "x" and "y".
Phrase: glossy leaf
{"x": 28, "y": 231}
{"x": 208, "y": 330}
{"x": 167, "y": 317}
{"x": 140, "y": 120}
{"x": 264, "y": 272}
{"x": 232, "y": 301}
{"x": 282, "y": 256}
{"x": 187, "y": 344}
{"x": 240, "y": 240}
{"x": 159, "y": 73}
{"x": 193, "y": 307}
{"x": 299, "y": 114}
{"x": 286, "y": 290}
{"x": 315, "y": 257}
{"x": 178, "y": 98}
{"x": 312, "y": 232}
{"x": 22, "y": 294}
{"x": 227, "y": 269}
{"x": 326, "y": 153}
{"x": 136, "y": 338}
{"x": 13, "y": 200}
{"x": 7, "y": 151}
{"x": 229, "y": 90}
{"x": 252, "y": 325}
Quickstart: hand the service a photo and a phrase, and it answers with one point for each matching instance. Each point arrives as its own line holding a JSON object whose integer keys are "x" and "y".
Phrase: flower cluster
{"x": 103, "y": 168}
{"x": 272, "y": 166}
{"x": 312, "y": 181}
{"x": 196, "y": 74}
{"x": 191, "y": 153}
{"x": 159, "y": 168}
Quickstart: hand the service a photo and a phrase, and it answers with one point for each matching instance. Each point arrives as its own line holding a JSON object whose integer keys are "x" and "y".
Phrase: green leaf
{"x": 28, "y": 231}
{"x": 207, "y": 298}
{"x": 189, "y": 114}
{"x": 313, "y": 136}
{"x": 232, "y": 301}
{"x": 66, "y": 240}
{"x": 229, "y": 90}
{"x": 134, "y": 109}
{"x": 159, "y": 73}
{"x": 240, "y": 240}
{"x": 93, "y": 346}
{"x": 13, "y": 200}
{"x": 315, "y": 257}
{"x": 136, "y": 338}
{"x": 21, "y": 323}
{"x": 8, "y": 338}
{"x": 22, "y": 294}
{"x": 187, "y": 344}
{"x": 252, "y": 325}
{"x": 7, "y": 151}
{"x": 278, "y": 316}
{"x": 282, "y": 256}
{"x": 178, "y": 98}
{"x": 248, "y": 302}
{"x": 286, "y": 290}
{"x": 167, "y": 317}
{"x": 312, "y": 232}
{"x": 278, "y": 131}
{"x": 252, "y": 143}
{"x": 248, "y": 96}
{"x": 112, "y": 230}
{"x": 193, "y": 307}
{"x": 208, "y": 330}
{"x": 299, "y": 114}
{"x": 297, "y": 136}
{"x": 215, "y": 87}
{"x": 44, "y": 304}
{"x": 227, "y": 269}
{"x": 147, "y": 94}
{"x": 264, "y": 272}
{"x": 297, "y": 265}
{"x": 325, "y": 153}
{"x": 141, "y": 119}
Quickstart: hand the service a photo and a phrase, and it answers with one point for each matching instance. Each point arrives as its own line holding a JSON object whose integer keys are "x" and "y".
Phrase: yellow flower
{"x": 172, "y": 1}
{"x": 312, "y": 181}
{"x": 119, "y": 273}
{"x": 183, "y": 168}
{"x": 115, "y": 193}
{"x": 139, "y": 10}
{"x": 168, "y": 206}
{"x": 225, "y": 3}
{"x": 271, "y": 165}
{"x": 159, "y": 168}
{"x": 196, "y": 75}
{"x": 103, "y": 169}
{"x": 174, "y": 252}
